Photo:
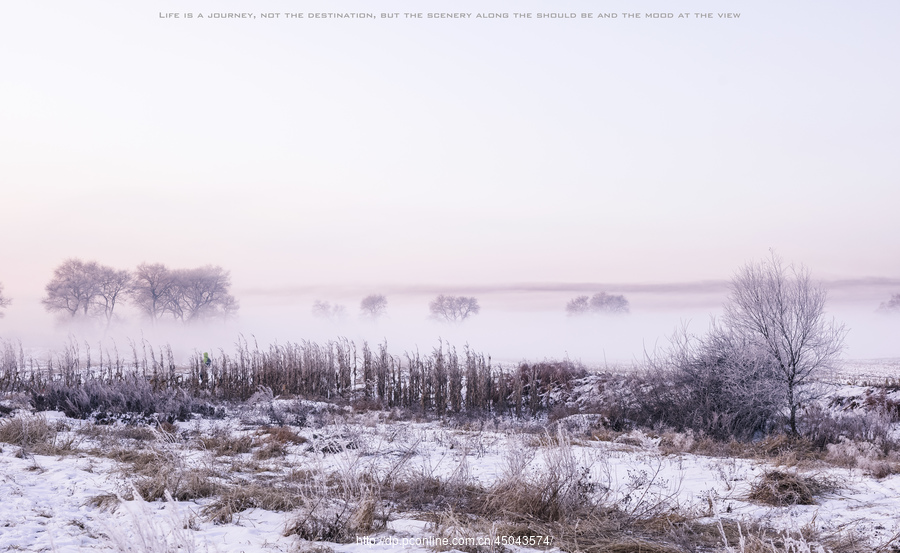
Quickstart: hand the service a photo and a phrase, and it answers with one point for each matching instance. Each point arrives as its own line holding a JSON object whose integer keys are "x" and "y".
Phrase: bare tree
{"x": 4, "y": 301}
{"x": 892, "y": 305}
{"x": 151, "y": 289}
{"x": 373, "y": 306}
{"x": 453, "y": 309}
{"x": 202, "y": 293}
{"x": 609, "y": 303}
{"x": 782, "y": 311}
{"x": 111, "y": 286}
{"x": 325, "y": 310}
{"x": 73, "y": 287}
{"x": 185, "y": 294}
{"x": 86, "y": 288}
{"x": 578, "y": 306}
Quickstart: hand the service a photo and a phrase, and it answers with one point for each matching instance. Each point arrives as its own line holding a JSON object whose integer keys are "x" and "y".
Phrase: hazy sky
{"x": 367, "y": 153}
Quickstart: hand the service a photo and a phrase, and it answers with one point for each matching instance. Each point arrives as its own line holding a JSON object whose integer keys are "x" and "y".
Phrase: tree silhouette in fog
{"x": 892, "y": 305}
{"x": 4, "y": 301}
{"x": 373, "y": 306}
{"x": 453, "y": 309}
{"x": 87, "y": 289}
{"x": 602, "y": 303}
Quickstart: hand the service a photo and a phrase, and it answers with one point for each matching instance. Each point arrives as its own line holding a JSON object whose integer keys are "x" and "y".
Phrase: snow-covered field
{"x": 242, "y": 483}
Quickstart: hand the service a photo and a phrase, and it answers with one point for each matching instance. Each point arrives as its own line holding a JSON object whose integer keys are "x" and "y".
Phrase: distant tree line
{"x": 443, "y": 308}
{"x": 602, "y": 303}
{"x": 89, "y": 289}
{"x": 327, "y": 310}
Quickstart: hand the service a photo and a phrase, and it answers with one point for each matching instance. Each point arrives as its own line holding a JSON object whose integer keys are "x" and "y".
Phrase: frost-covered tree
{"x": 73, "y": 287}
{"x": 203, "y": 293}
{"x": 453, "y": 309}
{"x": 600, "y": 303}
{"x": 186, "y": 295}
{"x": 781, "y": 311}
{"x": 86, "y": 289}
{"x": 578, "y": 306}
{"x": 373, "y": 306}
{"x": 609, "y": 303}
{"x": 112, "y": 285}
{"x": 151, "y": 289}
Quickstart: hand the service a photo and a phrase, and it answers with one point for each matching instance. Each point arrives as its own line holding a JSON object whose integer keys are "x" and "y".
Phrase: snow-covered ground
{"x": 82, "y": 496}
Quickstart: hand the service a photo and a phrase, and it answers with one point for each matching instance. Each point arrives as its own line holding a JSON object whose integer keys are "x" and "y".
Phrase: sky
{"x": 526, "y": 159}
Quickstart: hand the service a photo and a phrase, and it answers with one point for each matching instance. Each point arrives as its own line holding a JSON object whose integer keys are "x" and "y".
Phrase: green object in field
{"x": 206, "y": 360}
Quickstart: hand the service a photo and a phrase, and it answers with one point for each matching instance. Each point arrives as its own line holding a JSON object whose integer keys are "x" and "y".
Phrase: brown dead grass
{"x": 27, "y": 431}
{"x": 104, "y": 502}
{"x": 270, "y": 450}
{"x": 35, "y": 435}
{"x": 780, "y": 488}
{"x": 235, "y": 499}
{"x": 223, "y": 444}
{"x": 183, "y": 484}
{"x": 283, "y": 435}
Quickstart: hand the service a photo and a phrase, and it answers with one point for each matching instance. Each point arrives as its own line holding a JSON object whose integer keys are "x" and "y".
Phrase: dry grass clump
{"x": 563, "y": 490}
{"x": 136, "y": 433}
{"x": 337, "y": 506}
{"x": 33, "y": 434}
{"x": 157, "y": 471}
{"x": 27, "y": 432}
{"x": 139, "y": 458}
{"x": 275, "y": 443}
{"x": 183, "y": 484}
{"x": 224, "y": 444}
{"x": 283, "y": 435}
{"x": 431, "y": 493}
{"x": 335, "y": 520}
{"x": 786, "y": 488}
{"x": 868, "y": 456}
{"x": 636, "y": 545}
{"x": 270, "y": 450}
{"x": 304, "y": 547}
{"x": 458, "y": 531}
{"x": 104, "y": 502}
{"x": 249, "y": 496}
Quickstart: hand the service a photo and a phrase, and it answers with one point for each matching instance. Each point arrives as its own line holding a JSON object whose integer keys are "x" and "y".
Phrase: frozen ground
{"x": 74, "y": 488}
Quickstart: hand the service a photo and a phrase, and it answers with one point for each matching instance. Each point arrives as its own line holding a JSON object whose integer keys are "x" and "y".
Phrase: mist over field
{"x": 514, "y": 324}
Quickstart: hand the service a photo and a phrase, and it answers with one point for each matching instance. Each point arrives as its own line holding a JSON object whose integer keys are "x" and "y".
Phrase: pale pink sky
{"x": 442, "y": 153}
